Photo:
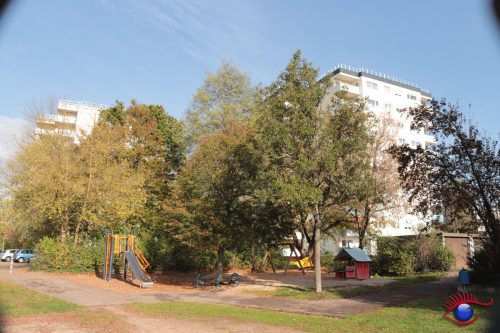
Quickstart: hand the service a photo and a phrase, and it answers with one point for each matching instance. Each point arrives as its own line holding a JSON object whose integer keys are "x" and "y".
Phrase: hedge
{"x": 405, "y": 256}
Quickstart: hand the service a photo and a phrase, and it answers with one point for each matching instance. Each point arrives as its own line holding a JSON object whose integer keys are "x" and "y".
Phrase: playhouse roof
{"x": 347, "y": 253}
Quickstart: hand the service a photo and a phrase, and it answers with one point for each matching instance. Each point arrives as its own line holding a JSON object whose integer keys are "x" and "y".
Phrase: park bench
{"x": 217, "y": 279}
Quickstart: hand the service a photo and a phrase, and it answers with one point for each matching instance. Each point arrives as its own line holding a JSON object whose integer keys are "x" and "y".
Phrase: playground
{"x": 171, "y": 304}
{"x": 127, "y": 294}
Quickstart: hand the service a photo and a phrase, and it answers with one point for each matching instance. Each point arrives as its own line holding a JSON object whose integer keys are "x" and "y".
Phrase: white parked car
{"x": 7, "y": 254}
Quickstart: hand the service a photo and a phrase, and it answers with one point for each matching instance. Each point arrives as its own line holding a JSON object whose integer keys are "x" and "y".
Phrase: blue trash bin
{"x": 464, "y": 277}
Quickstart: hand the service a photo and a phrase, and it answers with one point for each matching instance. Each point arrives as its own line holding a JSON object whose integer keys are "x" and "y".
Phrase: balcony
{"x": 52, "y": 121}
{"x": 352, "y": 90}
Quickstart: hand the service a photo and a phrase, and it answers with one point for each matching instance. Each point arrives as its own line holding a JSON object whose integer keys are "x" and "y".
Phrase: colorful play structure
{"x": 300, "y": 262}
{"x": 357, "y": 264}
{"x": 125, "y": 247}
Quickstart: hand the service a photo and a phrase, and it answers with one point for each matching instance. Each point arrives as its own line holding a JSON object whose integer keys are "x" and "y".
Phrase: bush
{"x": 405, "y": 256}
{"x": 485, "y": 265}
{"x": 53, "y": 255}
{"x": 432, "y": 255}
{"x": 395, "y": 256}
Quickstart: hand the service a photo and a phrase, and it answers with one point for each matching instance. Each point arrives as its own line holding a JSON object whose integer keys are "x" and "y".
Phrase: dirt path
{"x": 142, "y": 323}
{"x": 92, "y": 296}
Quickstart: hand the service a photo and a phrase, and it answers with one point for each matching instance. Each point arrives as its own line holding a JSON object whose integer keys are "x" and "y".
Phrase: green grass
{"x": 345, "y": 292}
{"x": 16, "y": 300}
{"x": 423, "y": 315}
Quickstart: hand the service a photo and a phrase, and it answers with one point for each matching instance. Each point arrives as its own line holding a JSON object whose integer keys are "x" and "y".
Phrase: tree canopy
{"x": 458, "y": 176}
{"x": 313, "y": 152}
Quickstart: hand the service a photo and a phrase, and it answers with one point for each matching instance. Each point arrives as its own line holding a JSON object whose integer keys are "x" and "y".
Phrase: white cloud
{"x": 11, "y": 129}
{"x": 201, "y": 30}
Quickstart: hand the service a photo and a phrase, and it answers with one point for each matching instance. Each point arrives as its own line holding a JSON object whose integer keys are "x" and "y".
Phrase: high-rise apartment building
{"x": 385, "y": 96}
{"x": 72, "y": 119}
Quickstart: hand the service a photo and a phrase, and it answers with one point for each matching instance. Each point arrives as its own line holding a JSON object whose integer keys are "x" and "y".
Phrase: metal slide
{"x": 137, "y": 270}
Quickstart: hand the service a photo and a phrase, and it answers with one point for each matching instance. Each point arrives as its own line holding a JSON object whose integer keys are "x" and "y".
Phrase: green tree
{"x": 116, "y": 176}
{"x": 155, "y": 147}
{"x": 217, "y": 189}
{"x": 110, "y": 190}
{"x": 314, "y": 151}
{"x": 378, "y": 189}
{"x": 226, "y": 96}
{"x": 220, "y": 185}
{"x": 41, "y": 183}
{"x": 458, "y": 176}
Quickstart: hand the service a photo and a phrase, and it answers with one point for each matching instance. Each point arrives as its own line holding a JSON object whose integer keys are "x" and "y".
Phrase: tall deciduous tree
{"x": 155, "y": 148}
{"x": 459, "y": 175}
{"x": 217, "y": 184}
{"x": 57, "y": 186}
{"x": 110, "y": 190}
{"x": 226, "y": 96}
{"x": 314, "y": 153}
{"x": 378, "y": 195}
{"x": 117, "y": 176}
{"x": 41, "y": 183}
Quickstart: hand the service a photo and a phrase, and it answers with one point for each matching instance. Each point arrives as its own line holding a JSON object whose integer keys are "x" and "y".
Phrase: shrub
{"x": 405, "y": 256}
{"x": 54, "y": 255}
{"x": 485, "y": 265}
{"x": 432, "y": 255}
{"x": 395, "y": 256}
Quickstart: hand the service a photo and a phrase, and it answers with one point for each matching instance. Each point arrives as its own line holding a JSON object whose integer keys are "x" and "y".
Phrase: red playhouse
{"x": 358, "y": 264}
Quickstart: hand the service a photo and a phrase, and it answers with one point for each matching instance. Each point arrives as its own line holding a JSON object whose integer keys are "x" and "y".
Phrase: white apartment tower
{"x": 385, "y": 96}
{"x": 73, "y": 119}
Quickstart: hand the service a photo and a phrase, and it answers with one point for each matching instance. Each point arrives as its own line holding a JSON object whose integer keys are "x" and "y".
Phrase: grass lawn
{"x": 16, "y": 300}
{"x": 19, "y": 303}
{"x": 423, "y": 315}
{"x": 345, "y": 292}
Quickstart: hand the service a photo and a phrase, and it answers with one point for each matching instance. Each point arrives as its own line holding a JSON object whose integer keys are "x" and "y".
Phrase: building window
{"x": 387, "y": 89}
{"x": 372, "y": 85}
{"x": 398, "y": 93}
{"x": 388, "y": 106}
{"x": 412, "y": 97}
{"x": 372, "y": 102}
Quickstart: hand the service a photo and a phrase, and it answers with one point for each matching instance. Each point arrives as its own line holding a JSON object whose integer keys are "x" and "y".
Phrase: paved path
{"x": 91, "y": 296}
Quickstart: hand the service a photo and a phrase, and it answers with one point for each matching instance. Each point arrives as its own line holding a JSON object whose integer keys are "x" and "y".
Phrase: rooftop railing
{"x": 375, "y": 73}
{"x": 72, "y": 105}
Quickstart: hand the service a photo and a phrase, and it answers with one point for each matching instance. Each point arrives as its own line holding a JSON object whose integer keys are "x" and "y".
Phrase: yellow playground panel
{"x": 305, "y": 263}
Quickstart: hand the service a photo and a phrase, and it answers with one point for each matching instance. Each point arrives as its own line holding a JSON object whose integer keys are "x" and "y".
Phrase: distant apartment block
{"x": 72, "y": 118}
{"x": 385, "y": 96}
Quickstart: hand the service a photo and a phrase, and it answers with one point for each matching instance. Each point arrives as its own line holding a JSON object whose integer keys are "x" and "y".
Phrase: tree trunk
{"x": 63, "y": 232}
{"x": 362, "y": 233}
{"x": 220, "y": 260}
{"x": 77, "y": 230}
{"x": 312, "y": 242}
{"x": 317, "y": 253}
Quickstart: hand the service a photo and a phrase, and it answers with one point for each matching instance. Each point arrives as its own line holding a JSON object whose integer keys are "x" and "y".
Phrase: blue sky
{"x": 159, "y": 51}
